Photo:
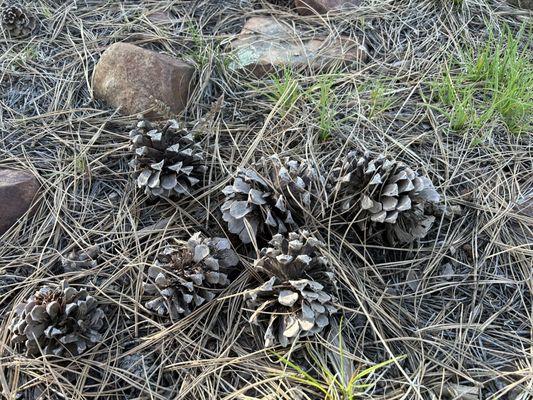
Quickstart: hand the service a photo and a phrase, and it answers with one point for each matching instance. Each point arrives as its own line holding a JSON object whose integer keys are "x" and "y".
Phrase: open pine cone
{"x": 81, "y": 259}
{"x": 252, "y": 206}
{"x": 138, "y": 364}
{"x": 300, "y": 182}
{"x": 186, "y": 276}
{"x": 168, "y": 162}
{"x": 28, "y": 389}
{"x": 296, "y": 300}
{"x": 18, "y": 21}
{"x": 60, "y": 320}
{"x": 388, "y": 194}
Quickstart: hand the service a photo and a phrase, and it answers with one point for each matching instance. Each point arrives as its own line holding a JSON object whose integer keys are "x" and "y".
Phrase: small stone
{"x": 160, "y": 18}
{"x": 266, "y": 44}
{"x": 140, "y": 81}
{"x": 17, "y": 191}
{"x": 310, "y": 7}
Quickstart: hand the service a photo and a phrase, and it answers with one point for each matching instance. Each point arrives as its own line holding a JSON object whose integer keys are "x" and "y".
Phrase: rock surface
{"x": 159, "y": 18}
{"x": 17, "y": 191}
{"x": 137, "y": 80}
{"x": 266, "y": 44}
{"x": 310, "y": 7}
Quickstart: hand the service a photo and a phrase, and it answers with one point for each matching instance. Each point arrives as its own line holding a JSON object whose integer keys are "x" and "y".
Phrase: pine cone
{"x": 168, "y": 162}
{"x": 252, "y": 206}
{"x": 18, "y": 21}
{"x": 141, "y": 373}
{"x": 299, "y": 182}
{"x": 58, "y": 321}
{"x": 28, "y": 389}
{"x": 7, "y": 283}
{"x": 138, "y": 365}
{"x": 296, "y": 300}
{"x": 81, "y": 259}
{"x": 186, "y": 276}
{"x": 388, "y": 194}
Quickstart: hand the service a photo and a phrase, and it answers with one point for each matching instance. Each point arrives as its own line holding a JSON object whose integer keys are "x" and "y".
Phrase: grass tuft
{"x": 321, "y": 96}
{"x": 339, "y": 378}
{"x": 489, "y": 85}
{"x": 285, "y": 90}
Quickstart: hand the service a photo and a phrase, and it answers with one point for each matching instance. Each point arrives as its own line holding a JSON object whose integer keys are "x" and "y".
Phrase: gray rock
{"x": 461, "y": 392}
{"x": 17, "y": 191}
{"x": 161, "y": 18}
{"x": 266, "y": 44}
{"x": 136, "y": 80}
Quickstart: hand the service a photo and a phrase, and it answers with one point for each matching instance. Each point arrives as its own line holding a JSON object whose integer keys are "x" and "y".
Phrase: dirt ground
{"x": 452, "y": 311}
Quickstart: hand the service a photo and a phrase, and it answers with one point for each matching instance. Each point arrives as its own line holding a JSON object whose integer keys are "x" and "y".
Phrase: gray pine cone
{"x": 300, "y": 182}
{"x": 28, "y": 389}
{"x": 387, "y": 194}
{"x": 186, "y": 276}
{"x": 18, "y": 21}
{"x": 81, "y": 259}
{"x": 252, "y": 206}
{"x": 60, "y": 320}
{"x": 138, "y": 365}
{"x": 296, "y": 301}
{"x": 7, "y": 283}
{"x": 168, "y": 162}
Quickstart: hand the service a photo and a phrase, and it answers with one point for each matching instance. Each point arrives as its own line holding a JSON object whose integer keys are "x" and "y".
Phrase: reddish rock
{"x": 137, "y": 80}
{"x": 161, "y": 18}
{"x": 17, "y": 191}
{"x": 310, "y": 7}
{"x": 266, "y": 44}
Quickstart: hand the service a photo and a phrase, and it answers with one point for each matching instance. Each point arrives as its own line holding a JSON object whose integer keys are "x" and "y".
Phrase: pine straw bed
{"x": 468, "y": 325}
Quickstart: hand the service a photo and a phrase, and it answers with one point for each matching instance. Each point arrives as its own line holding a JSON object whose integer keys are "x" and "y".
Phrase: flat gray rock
{"x": 310, "y": 7}
{"x": 266, "y": 44}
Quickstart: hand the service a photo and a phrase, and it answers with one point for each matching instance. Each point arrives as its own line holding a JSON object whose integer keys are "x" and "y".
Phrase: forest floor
{"x": 446, "y": 89}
